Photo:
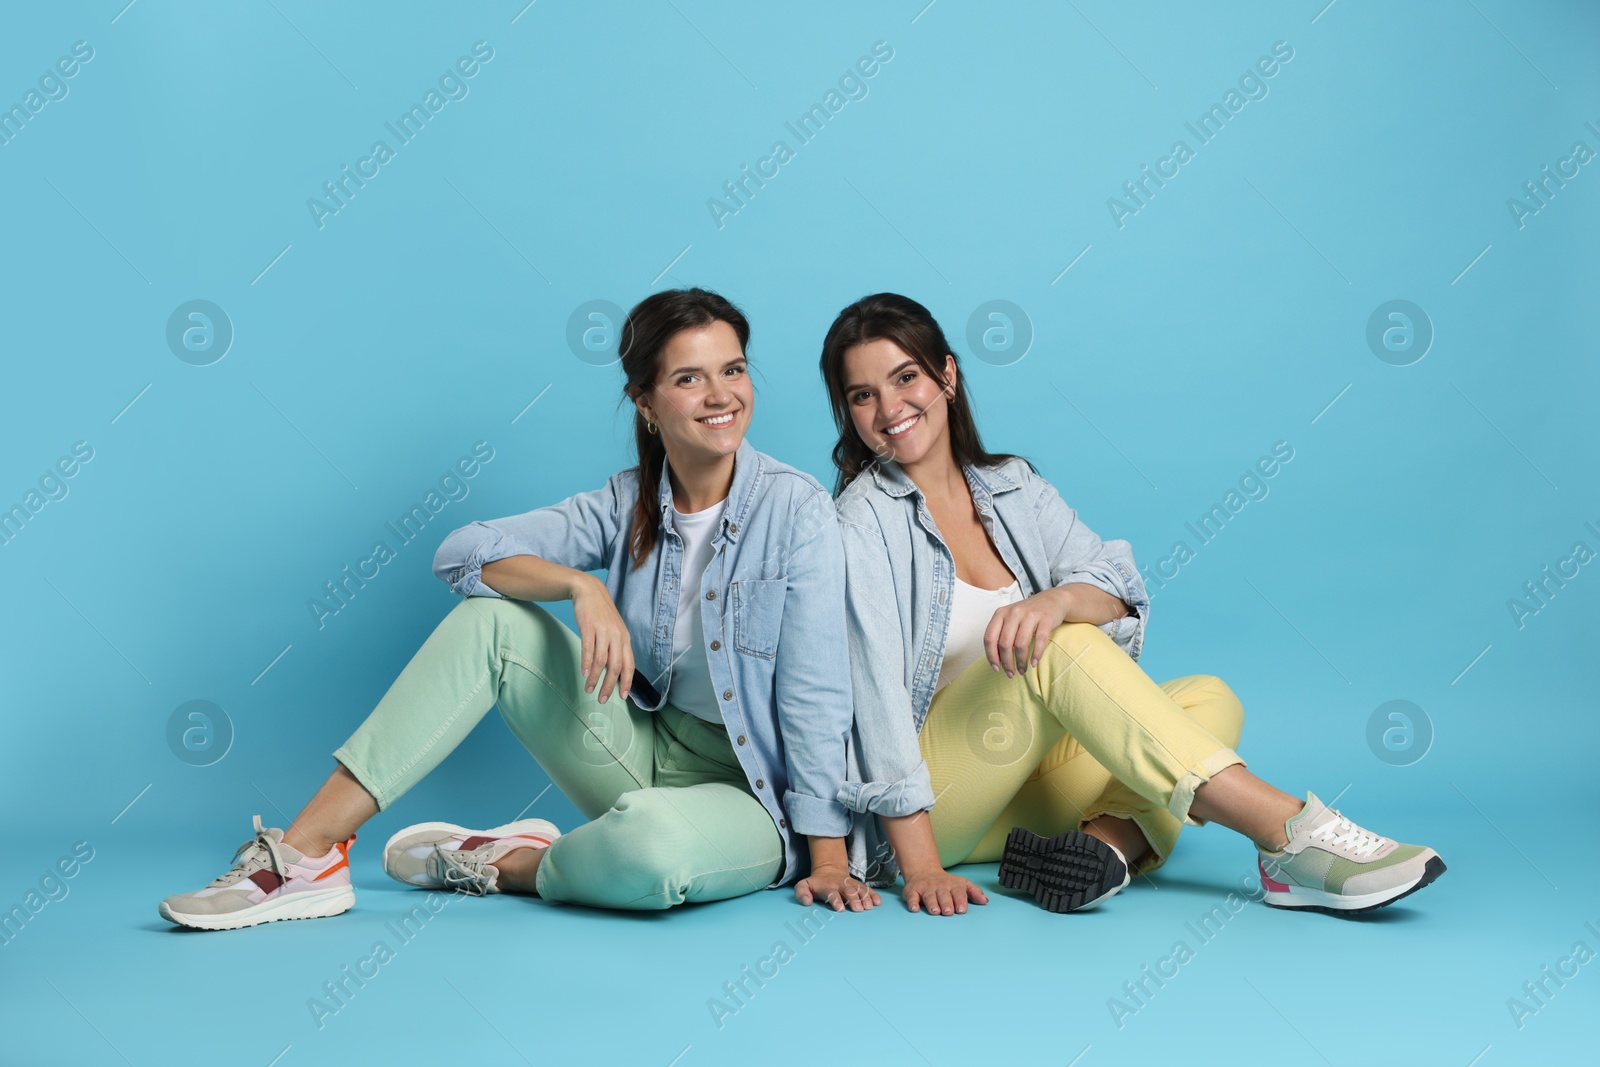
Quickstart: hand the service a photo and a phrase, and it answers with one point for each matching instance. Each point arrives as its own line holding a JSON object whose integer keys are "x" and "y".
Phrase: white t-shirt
{"x": 971, "y": 611}
{"x": 690, "y": 688}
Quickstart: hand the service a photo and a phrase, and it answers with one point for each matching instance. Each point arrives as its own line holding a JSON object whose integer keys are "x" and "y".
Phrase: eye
{"x": 857, "y": 398}
{"x": 907, "y": 376}
{"x": 736, "y": 371}
{"x": 684, "y": 379}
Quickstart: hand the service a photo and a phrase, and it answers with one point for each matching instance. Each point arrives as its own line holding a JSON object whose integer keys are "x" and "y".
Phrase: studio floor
{"x": 1180, "y": 967}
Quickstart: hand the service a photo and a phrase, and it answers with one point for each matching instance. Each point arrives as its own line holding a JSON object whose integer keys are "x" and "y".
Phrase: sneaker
{"x": 269, "y": 881}
{"x": 1069, "y": 872}
{"x": 442, "y": 855}
{"x": 1332, "y": 865}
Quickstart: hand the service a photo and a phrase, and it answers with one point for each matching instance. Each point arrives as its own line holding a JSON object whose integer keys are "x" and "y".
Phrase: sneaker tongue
{"x": 289, "y": 853}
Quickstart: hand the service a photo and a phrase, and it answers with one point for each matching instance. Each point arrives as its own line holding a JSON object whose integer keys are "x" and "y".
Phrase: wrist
{"x": 1066, "y": 602}
{"x": 581, "y": 583}
{"x": 829, "y": 855}
{"x": 829, "y": 867}
{"x": 921, "y": 870}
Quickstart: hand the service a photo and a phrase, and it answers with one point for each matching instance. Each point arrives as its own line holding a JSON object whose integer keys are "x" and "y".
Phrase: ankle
{"x": 519, "y": 870}
{"x": 1122, "y": 834}
{"x": 307, "y": 845}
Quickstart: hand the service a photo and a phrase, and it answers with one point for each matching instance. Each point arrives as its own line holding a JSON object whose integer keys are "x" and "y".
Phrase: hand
{"x": 835, "y": 887}
{"x": 941, "y": 893}
{"x": 1017, "y": 634}
{"x": 607, "y": 648}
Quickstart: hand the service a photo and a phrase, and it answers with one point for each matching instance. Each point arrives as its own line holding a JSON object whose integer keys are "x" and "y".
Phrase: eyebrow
{"x": 898, "y": 368}
{"x": 696, "y": 369}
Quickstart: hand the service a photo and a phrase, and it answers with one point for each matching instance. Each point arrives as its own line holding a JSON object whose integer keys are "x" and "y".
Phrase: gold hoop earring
{"x": 650, "y": 428}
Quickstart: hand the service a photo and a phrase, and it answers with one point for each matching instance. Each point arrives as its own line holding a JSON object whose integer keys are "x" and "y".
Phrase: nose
{"x": 718, "y": 395}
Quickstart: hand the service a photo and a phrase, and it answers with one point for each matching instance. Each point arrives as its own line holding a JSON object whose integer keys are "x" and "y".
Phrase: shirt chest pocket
{"x": 758, "y": 615}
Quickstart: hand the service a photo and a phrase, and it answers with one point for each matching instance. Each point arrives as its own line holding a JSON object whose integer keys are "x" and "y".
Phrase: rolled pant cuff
{"x": 348, "y": 759}
{"x": 1183, "y": 792}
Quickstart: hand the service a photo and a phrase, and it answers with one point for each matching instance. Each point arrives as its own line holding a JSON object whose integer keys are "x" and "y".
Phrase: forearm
{"x": 911, "y": 837}
{"x": 829, "y": 853}
{"x": 533, "y": 578}
{"x": 1082, "y": 602}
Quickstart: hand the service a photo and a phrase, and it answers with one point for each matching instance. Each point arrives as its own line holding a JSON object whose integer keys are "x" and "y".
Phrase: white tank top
{"x": 690, "y": 688}
{"x": 971, "y": 610}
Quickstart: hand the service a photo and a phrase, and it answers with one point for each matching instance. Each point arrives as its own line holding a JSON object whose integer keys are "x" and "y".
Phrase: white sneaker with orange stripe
{"x": 442, "y": 855}
{"x": 268, "y": 881}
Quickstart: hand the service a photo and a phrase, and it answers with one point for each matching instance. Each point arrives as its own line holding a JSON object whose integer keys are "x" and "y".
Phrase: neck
{"x": 937, "y": 474}
{"x": 700, "y": 482}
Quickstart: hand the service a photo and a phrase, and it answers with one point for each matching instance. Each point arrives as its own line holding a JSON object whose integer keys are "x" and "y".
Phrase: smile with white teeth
{"x": 716, "y": 421}
{"x": 900, "y": 427}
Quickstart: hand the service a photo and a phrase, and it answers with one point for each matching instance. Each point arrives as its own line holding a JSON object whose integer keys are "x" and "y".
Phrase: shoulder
{"x": 790, "y": 489}
{"x": 623, "y": 486}
{"x": 788, "y": 483}
{"x": 1033, "y": 487}
{"x": 781, "y": 477}
{"x": 862, "y": 501}
{"x": 1015, "y": 469}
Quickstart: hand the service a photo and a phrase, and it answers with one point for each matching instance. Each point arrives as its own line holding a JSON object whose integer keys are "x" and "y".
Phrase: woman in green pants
{"x": 699, "y": 718}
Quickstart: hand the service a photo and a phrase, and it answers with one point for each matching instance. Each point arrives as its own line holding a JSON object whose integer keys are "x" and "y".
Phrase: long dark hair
{"x": 889, "y": 316}
{"x": 649, "y": 326}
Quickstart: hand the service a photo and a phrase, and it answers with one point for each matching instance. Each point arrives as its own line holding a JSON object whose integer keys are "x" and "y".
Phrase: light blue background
{"x": 1228, "y": 314}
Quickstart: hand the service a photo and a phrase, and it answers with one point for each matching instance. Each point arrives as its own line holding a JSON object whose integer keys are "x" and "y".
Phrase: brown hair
{"x": 653, "y": 322}
{"x": 889, "y": 316}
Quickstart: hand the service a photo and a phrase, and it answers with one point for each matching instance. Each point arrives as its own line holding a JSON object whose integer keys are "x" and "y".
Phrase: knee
{"x": 649, "y": 844}
{"x": 480, "y": 613}
{"x": 505, "y": 623}
{"x": 1228, "y": 710}
{"x": 1074, "y": 637}
{"x": 497, "y": 611}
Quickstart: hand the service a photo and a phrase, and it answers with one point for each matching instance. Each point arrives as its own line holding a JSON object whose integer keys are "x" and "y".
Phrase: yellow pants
{"x": 1083, "y": 734}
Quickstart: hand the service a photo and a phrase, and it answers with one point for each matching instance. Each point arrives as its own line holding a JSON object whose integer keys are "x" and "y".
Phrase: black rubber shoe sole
{"x": 1067, "y": 872}
{"x": 1431, "y": 871}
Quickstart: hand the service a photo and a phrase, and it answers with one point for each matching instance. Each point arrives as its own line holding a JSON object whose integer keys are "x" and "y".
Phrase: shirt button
{"x": 715, "y": 645}
{"x": 727, "y": 694}
{"x": 712, "y": 595}
{"x": 741, "y": 739}
{"x": 733, "y": 527}
{"x": 760, "y": 784}
{"x": 783, "y": 824}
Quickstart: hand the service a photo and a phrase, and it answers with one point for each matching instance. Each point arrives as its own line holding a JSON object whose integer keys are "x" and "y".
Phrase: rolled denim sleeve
{"x": 894, "y": 776}
{"x": 1078, "y": 555}
{"x": 578, "y": 532}
{"x": 812, "y": 685}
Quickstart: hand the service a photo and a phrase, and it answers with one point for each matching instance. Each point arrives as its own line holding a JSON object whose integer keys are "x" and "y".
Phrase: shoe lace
{"x": 258, "y": 853}
{"x": 466, "y": 872}
{"x": 1344, "y": 834}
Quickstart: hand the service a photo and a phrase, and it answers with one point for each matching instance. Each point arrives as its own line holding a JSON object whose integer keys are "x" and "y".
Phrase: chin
{"x": 903, "y": 452}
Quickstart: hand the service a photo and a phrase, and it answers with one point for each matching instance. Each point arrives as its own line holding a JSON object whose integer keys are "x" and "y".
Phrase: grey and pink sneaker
{"x": 1332, "y": 865}
{"x": 442, "y": 855}
{"x": 268, "y": 881}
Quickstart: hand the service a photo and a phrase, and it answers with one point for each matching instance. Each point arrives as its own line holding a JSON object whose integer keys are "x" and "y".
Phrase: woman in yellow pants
{"x": 994, "y": 642}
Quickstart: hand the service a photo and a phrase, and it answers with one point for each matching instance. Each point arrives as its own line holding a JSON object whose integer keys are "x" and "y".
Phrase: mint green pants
{"x": 672, "y": 815}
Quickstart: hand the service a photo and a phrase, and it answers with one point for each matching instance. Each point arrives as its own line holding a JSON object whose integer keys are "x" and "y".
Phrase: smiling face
{"x": 702, "y": 400}
{"x": 899, "y": 410}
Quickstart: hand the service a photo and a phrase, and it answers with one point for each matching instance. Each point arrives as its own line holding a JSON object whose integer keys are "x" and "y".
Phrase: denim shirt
{"x": 777, "y": 572}
{"x": 898, "y": 593}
